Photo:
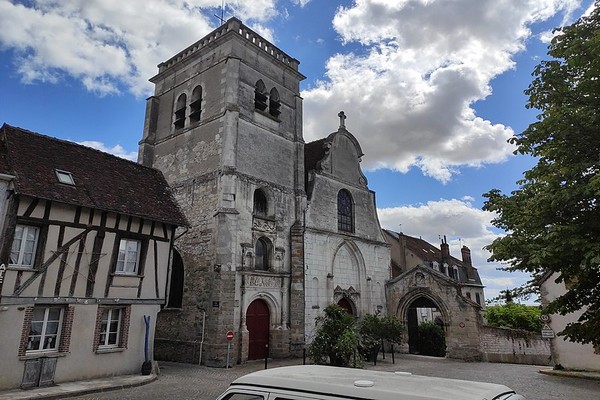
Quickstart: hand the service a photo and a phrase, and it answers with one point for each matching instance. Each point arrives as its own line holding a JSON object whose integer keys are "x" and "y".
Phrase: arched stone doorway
{"x": 258, "y": 323}
{"x": 346, "y": 305}
{"x": 421, "y": 310}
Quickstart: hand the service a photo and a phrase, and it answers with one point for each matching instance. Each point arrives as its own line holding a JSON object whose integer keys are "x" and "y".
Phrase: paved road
{"x": 184, "y": 381}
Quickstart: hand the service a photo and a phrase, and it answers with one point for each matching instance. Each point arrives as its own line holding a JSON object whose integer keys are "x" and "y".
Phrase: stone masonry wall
{"x": 514, "y": 346}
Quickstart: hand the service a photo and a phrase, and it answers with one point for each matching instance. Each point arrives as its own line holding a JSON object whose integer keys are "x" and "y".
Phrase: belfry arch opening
{"x": 423, "y": 310}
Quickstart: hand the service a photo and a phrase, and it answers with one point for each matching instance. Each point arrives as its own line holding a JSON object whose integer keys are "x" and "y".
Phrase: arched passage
{"x": 421, "y": 310}
{"x": 258, "y": 323}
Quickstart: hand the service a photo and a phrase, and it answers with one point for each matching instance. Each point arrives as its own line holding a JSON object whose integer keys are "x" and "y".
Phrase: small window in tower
{"x": 64, "y": 177}
{"x": 478, "y": 298}
{"x": 196, "y": 105}
{"x": 260, "y": 98}
{"x": 180, "y": 111}
{"x": 260, "y": 203}
{"x": 274, "y": 103}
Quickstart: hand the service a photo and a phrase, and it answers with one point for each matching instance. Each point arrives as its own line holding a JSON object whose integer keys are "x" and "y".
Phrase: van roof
{"x": 363, "y": 384}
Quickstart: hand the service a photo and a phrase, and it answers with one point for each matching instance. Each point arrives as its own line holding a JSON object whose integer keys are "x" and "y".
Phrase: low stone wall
{"x": 514, "y": 346}
{"x": 177, "y": 350}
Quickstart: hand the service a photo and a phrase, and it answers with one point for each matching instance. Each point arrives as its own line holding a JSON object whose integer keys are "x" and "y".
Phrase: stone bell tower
{"x": 225, "y": 127}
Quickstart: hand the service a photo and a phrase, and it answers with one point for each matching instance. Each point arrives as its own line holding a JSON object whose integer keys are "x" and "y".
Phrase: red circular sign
{"x": 229, "y": 336}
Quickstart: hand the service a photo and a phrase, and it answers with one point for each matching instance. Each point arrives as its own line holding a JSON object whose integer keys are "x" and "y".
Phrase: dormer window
{"x": 64, "y": 177}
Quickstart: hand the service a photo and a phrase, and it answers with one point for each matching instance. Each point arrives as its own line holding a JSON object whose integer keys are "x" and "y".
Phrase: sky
{"x": 432, "y": 89}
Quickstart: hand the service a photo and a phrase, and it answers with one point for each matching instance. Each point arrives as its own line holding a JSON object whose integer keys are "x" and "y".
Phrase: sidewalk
{"x": 571, "y": 374}
{"x": 70, "y": 389}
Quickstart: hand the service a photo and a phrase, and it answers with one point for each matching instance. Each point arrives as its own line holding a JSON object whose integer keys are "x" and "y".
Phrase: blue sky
{"x": 432, "y": 88}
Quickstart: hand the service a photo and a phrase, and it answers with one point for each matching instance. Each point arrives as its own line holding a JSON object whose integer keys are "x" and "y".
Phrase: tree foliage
{"x": 514, "y": 316}
{"x": 432, "y": 341}
{"x": 553, "y": 219}
{"x": 337, "y": 338}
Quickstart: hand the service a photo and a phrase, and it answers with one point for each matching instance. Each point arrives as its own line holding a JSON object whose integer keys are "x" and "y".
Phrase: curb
{"x": 571, "y": 374}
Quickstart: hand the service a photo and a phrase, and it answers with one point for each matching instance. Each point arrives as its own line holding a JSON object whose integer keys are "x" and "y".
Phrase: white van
{"x": 312, "y": 382}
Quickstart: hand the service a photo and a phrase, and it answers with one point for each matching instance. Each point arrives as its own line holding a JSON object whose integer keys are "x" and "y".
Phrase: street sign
{"x": 547, "y": 332}
{"x": 229, "y": 336}
{"x": 545, "y": 318}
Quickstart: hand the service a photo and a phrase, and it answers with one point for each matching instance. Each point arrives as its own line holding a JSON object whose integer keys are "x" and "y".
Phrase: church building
{"x": 279, "y": 228}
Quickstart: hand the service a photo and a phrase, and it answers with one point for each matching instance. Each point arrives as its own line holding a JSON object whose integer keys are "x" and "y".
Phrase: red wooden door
{"x": 257, "y": 322}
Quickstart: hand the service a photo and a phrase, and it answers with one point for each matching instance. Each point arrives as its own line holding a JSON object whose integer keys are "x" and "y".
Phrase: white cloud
{"x": 300, "y": 3}
{"x": 116, "y": 150}
{"x": 463, "y": 225}
{"x": 409, "y": 96}
{"x": 109, "y": 45}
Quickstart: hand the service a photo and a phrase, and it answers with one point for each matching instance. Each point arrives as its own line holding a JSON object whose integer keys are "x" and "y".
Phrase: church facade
{"x": 279, "y": 228}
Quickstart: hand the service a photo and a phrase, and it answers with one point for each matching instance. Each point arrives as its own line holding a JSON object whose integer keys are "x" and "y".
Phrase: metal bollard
{"x": 266, "y": 354}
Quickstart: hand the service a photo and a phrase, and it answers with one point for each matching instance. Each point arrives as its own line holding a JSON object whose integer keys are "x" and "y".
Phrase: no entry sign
{"x": 229, "y": 336}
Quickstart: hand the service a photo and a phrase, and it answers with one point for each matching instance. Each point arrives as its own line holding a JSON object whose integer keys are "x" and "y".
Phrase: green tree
{"x": 432, "y": 341}
{"x": 515, "y": 316}
{"x": 553, "y": 219}
{"x": 337, "y": 339}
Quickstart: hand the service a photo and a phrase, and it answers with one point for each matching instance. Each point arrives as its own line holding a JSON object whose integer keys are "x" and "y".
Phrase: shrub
{"x": 432, "y": 341}
{"x": 514, "y": 316}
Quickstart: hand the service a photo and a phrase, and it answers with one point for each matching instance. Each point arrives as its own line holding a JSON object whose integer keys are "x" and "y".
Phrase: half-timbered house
{"x": 86, "y": 242}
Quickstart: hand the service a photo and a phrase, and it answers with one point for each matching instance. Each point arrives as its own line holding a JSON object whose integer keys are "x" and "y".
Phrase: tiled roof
{"x": 102, "y": 181}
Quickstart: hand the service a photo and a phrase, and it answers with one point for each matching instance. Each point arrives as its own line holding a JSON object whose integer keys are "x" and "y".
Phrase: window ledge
{"x": 127, "y": 275}
{"x": 42, "y": 354}
{"x": 105, "y": 350}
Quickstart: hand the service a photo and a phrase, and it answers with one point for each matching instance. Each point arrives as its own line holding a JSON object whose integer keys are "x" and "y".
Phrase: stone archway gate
{"x": 462, "y": 319}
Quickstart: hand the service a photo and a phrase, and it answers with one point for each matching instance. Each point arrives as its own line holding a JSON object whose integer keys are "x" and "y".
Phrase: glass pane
{"x": 38, "y": 314}
{"x": 54, "y": 314}
{"x": 114, "y": 326}
{"x": 103, "y": 327}
{"x": 132, "y": 245}
{"x": 14, "y": 256}
{"x": 50, "y": 342}
{"x": 27, "y": 259}
{"x": 36, "y": 328}
{"x": 130, "y": 267}
{"x": 120, "y": 266}
{"x": 131, "y": 256}
{"x": 31, "y": 233}
{"x": 52, "y": 328}
{"x": 34, "y": 343}
{"x": 29, "y": 246}
{"x": 102, "y": 339}
{"x": 112, "y": 338}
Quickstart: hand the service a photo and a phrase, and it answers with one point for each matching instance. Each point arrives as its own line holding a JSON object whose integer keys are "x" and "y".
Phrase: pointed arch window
{"x": 261, "y": 255}
{"x": 260, "y": 203}
{"x": 274, "y": 103}
{"x": 260, "y": 97}
{"x": 180, "y": 106}
{"x": 196, "y": 104}
{"x": 345, "y": 211}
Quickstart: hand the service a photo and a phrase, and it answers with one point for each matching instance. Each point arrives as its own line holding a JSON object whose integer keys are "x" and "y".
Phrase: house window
{"x": 44, "y": 331}
{"x": 260, "y": 98}
{"x": 129, "y": 257}
{"x": 179, "y": 120}
{"x": 274, "y": 103}
{"x": 110, "y": 327}
{"x": 24, "y": 245}
{"x": 345, "y": 217}
{"x": 469, "y": 295}
{"x": 196, "y": 104}
{"x": 260, "y": 203}
{"x": 261, "y": 255}
{"x": 64, "y": 177}
{"x": 478, "y": 298}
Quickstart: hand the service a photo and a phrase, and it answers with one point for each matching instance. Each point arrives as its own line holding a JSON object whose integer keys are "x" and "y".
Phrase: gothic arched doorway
{"x": 258, "y": 323}
{"x": 346, "y": 305}
{"x": 423, "y": 310}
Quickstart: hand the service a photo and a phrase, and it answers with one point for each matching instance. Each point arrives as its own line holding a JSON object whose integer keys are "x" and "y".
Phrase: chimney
{"x": 467, "y": 263}
{"x": 445, "y": 250}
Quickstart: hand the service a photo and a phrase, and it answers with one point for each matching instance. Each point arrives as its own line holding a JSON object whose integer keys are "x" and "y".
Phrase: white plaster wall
{"x": 570, "y": 355}
{"x": 81, "y": 362}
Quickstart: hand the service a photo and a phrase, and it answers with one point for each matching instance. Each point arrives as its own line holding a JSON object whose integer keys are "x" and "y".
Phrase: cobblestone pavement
{"x": 185, "y": 381}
